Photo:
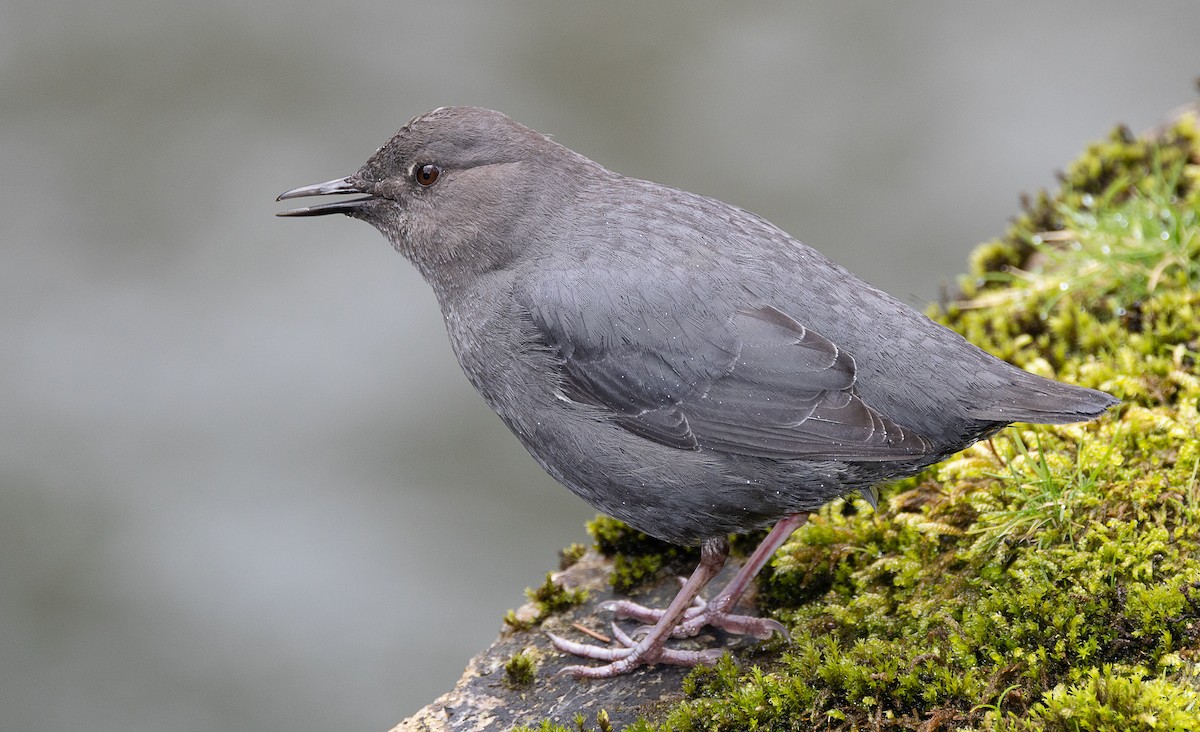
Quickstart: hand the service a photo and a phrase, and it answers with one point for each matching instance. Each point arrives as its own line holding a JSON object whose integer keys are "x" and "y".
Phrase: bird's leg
{"x": 650, "y": 649}
{"x": 715, "y": 612}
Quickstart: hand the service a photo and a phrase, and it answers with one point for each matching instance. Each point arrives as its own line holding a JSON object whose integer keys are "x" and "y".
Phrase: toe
{"x": 588, "y": 651}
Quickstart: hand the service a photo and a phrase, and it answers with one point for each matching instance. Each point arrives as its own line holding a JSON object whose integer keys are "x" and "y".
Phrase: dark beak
{"x": 328, "y": 188}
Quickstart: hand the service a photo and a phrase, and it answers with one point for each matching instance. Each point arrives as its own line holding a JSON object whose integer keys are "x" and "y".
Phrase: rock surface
{"x": 486, "y": 699}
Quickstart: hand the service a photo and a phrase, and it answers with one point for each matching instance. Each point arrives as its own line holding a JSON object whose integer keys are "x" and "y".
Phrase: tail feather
{"x": 1042, "y": 401}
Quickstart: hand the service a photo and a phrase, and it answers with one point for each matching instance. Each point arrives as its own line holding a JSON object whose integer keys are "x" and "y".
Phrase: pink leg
{"x": 651, "y": 649}
{"x": 716, "y": 611}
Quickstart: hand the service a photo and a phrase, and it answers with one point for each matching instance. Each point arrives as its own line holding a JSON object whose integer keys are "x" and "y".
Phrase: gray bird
{"x": 677, "y": 362}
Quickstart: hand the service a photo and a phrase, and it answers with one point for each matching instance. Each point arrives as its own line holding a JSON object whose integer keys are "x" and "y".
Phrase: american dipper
{"x": 677, "y": 362}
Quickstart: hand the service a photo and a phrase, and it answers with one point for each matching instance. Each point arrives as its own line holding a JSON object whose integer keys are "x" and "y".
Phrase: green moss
{"x": 521, "y": 669}
{"x": 637, "y": 558}
{"x": 1109, "y": 174}
{"x": 602, "y": 724}
{"x": 549, "y": 598}
{"x": 1048, "y": 578}
{"x": 1111, "y": 699}
{"x": 570, "y": 555}
{"x": 552, "y": 597}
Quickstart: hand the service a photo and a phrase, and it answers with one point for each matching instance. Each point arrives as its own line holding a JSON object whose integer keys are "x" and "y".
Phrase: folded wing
{"x": 753, "y": 382}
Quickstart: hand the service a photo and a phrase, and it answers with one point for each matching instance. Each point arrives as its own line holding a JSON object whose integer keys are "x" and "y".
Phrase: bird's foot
{"x": 651, "y": 648}
{"x": 696, "y": 617}
{"x": 631, "y": 654}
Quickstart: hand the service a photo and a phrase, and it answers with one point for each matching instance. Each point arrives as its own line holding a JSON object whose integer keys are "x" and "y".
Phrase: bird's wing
{"x": 751, "y": 382}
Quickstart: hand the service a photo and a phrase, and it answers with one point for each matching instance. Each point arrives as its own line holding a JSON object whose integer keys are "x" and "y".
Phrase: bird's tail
{"x": 1043, "y": 401}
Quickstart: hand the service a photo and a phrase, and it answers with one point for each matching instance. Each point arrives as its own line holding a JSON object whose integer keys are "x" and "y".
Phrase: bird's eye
{"x": 427, "y": 174}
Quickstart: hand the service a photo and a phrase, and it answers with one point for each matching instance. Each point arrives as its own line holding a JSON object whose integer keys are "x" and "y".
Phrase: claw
{"x": 778, "y": 627}
{"x": 642, "y": 631}
{"x": 623, "y": 638}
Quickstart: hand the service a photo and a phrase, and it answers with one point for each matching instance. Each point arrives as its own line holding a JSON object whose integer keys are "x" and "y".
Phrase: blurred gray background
{"x": 243, "y": 485}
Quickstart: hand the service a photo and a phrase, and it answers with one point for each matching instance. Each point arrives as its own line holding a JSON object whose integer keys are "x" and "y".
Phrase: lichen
{"x": 1046, "y": 579}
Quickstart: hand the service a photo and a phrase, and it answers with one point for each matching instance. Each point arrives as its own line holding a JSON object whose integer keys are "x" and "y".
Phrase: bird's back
{"x": 704, "y": 255}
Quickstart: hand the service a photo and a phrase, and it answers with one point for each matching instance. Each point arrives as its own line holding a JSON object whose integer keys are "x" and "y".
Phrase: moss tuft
{"x": 521, "y": 669}
{"x": 552, "y": 597}
{"x": 1109, "y": 698}
{"x": 547, "y": 599}
{"x": 1108, "y": 175}
{"x": 568, "y": 556}
{"x": 637, "y": 558}
{"x": 602, "y": 724}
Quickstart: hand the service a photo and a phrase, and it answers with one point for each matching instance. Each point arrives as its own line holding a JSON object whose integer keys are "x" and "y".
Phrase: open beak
{"x": 328, "y": 188}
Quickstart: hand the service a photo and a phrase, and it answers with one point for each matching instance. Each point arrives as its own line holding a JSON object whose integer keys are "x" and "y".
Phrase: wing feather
{"x": 754, "y": 382}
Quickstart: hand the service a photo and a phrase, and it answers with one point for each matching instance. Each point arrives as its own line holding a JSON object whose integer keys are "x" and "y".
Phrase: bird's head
{"x": 456, "y": 189}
